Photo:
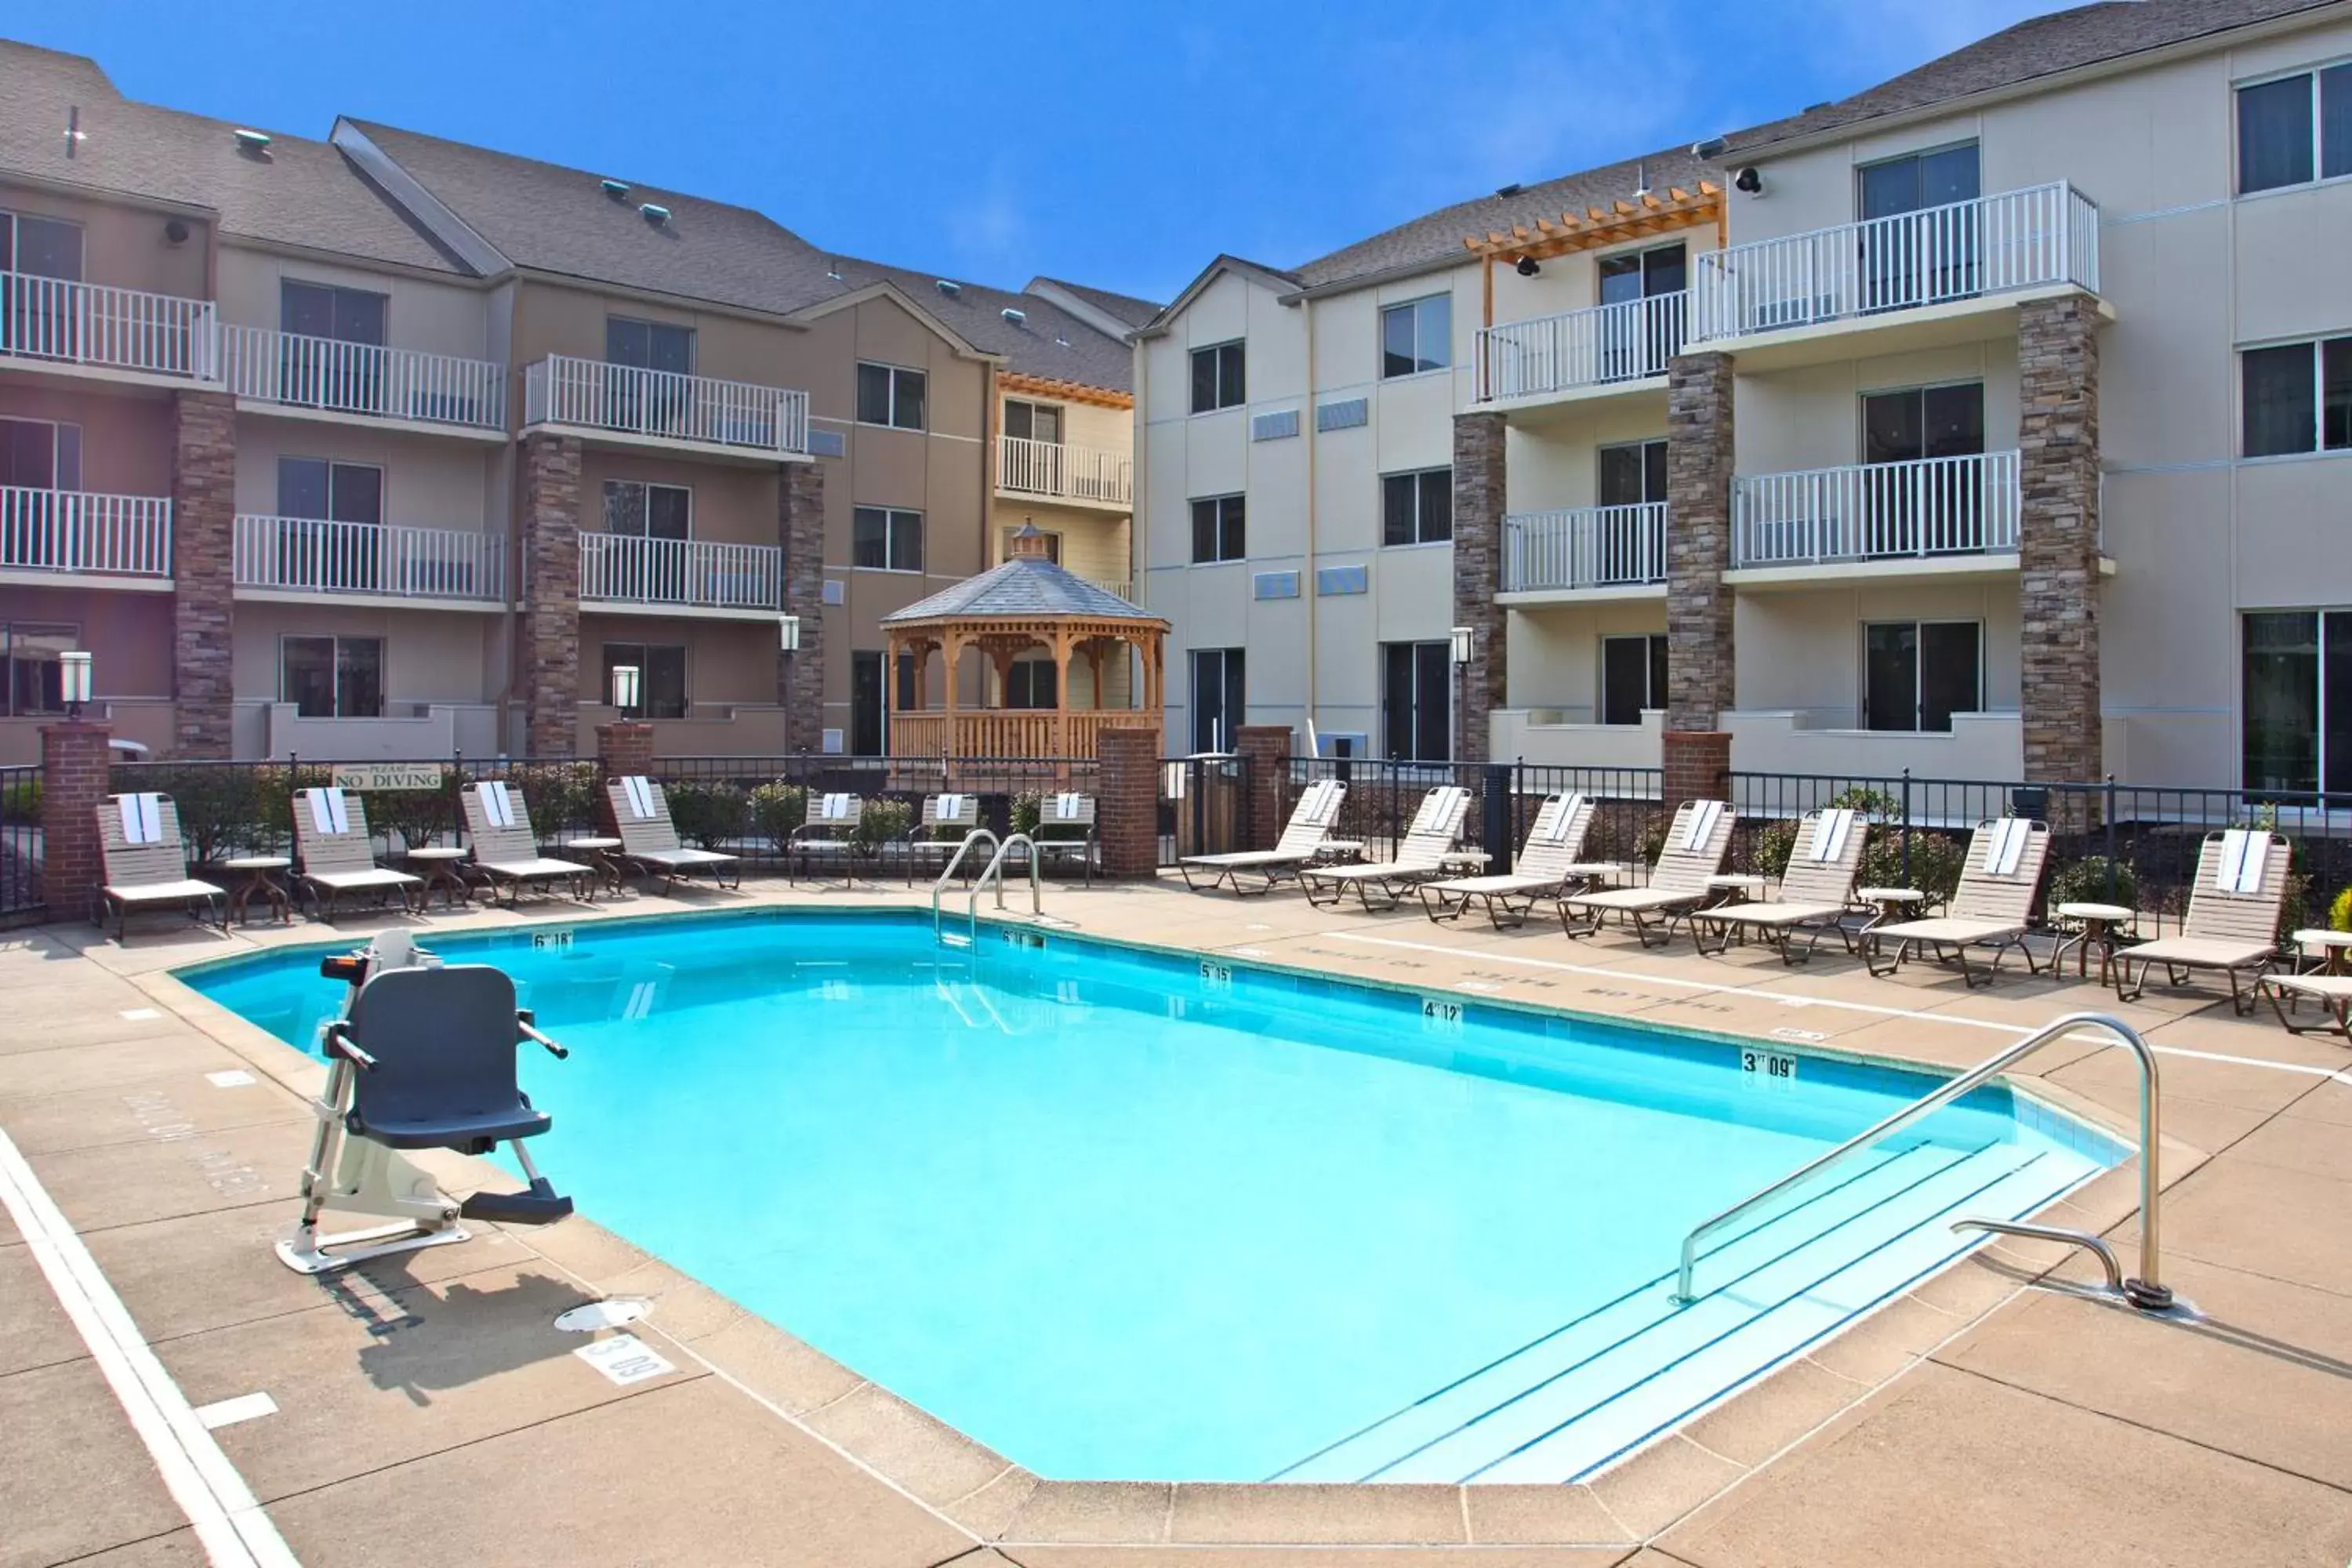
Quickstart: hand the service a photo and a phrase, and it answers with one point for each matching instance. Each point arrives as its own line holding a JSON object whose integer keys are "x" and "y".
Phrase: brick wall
{"x": 1480, "y": 493}
{"x": 74, "y": 767}
{"x": 800, "y": 529}
{"x": 1265, "y": 751}
{"x": 1699, "y": 457}
{"x": 1126, "y": 802}
{"x": 204, "y": 579}
{"x": 2058, "y": 536}
{"x": 623, "y": 750}
{"x": 548, "y": 650}
{"x": 1697, "y": 766}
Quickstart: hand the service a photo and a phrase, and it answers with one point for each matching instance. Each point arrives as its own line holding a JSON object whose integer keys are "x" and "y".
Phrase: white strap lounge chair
{"x": 2333, "y": 993}
{"x": 1696, "y": 841}
{"x": 1306, "y": 839}
{"x": 1816, "y": 891}
{"x": 1992, "y": 906}
{"x": 947, "y": 821}
{"x": 2232, "y": 920}
{"x": 1547, "y": 867}
{"x": 649, "y": 841}
{"x": 334, "y": 854}
{"x": 828, "y": 832}
{"x": 506, "y": 847}
{"x": 1421, "y": 856}
{"x": 145, "y": 863}
{"x": 1066, "y": 829}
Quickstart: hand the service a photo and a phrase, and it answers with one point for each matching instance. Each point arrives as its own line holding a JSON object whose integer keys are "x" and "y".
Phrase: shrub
{"x": 418, "y": 815}
{"x": 775, "y": 810}
{"x": 881, "y": 822}
{"x": 2085, "y": 882}
{"x": 2339, "y": 913}
{"x": 708, "y": 815}
{"x": 1937, "y": 861}
{"x": 1028, "y": 811}
{"x": 1775, "y": 842}
{"x": 562, "y": 796}
{"x": 21, "y": 800}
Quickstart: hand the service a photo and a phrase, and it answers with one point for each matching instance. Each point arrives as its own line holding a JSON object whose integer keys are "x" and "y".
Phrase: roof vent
{"x": 615, "y": 189}
{"x": 653, "y": 212}
{"x": 1822, "y": 104}
{"x": 948, "y": 288}
{"x": 251, "y": 141}
{"x": 1513, "y": 189}
{"x": 1013, "y": 316}
{"x": 1060, "y": 341}
{"x": 832, "y": 268}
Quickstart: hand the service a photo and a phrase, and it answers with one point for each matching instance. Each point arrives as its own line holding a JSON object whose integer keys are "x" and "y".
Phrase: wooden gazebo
{"x": 1026, "y": 604}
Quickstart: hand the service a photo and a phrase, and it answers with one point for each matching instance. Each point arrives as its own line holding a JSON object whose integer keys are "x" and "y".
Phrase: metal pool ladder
{"x": 2143, "y": 1292}
{"x": 993, "y": 873}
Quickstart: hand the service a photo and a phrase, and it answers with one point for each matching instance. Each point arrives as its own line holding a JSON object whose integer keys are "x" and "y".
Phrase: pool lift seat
{"x": 423, "y": 1058}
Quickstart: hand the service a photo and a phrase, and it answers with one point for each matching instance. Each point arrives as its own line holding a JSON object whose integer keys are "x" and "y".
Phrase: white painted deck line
{"x": 223, "y": 1413}
{"x": 229, "y": 1521}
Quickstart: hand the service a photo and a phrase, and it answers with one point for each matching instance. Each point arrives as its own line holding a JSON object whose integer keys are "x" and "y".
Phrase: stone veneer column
{"x": 1700, "y": 672}
{"x": 1127, "y": 801}
{"x": 623, "y": 750}
{"x": 203, "y": 576}
{"x": 75, "y": 762}
{"x": 1265, "y": 752}
{"x": 1480, "y": 493}
{"x": 550, "y": 655}
{"x": 800, "y": 677}
{"x": 2058, "y": 537}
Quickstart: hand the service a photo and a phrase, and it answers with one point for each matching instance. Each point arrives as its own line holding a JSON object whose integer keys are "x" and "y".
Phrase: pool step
{"x": 1579, "y": 1396}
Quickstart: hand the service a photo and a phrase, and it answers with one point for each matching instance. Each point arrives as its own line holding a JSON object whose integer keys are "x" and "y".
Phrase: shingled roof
{"x": 1048, "y": 341}
{"x": 1024, "y": 588}
{"x": 1123, "y": 307}
{"x": 2042, "y": 46}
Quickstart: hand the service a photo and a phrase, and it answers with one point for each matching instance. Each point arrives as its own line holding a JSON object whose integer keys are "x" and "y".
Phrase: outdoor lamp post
{"x": 1462, "y": 639}
{"x": 627, "y": 679}
{"x": 788, "y": 632}
{"x": 73, "y": 681}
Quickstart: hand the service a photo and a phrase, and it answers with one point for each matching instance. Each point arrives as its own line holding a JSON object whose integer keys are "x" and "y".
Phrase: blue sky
{"x": 1117, "y": 144}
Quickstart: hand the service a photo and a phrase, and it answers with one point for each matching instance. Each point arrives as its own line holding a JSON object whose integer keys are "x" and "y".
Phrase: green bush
{"x": 2339, "y": 913}
{"x": 708, "y": 815}
{"x": 418, "y": 815}
{"x": 882, "y": 822}
{"x": 1775, "y": 842}
{"x": 2085, "y": 882}
{"x": 1028, "y": 811}
{"x": 561, "y": 797}
{"x": 21, "y": 800}
{"x": 1937, "y": 861}
{"x": 775, "y": 810}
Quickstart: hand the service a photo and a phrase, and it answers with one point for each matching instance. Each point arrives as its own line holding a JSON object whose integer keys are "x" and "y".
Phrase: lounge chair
{"x": 649, "y": 839}
{"x": 1816, "y": 891}
{"x": 2332, "y": 991}
{"x": 506, "y": 847}
{"x": 1066, "y": 827}
{"x": 145, "y": 863}
{"x": 1547, "y": 867}
{"x": 828, "y": 831}
{"x": 1306, "y": 839}
{"x": 334, "y": 854}
{"x": 2232, "y": 920}
{"x": 1989, "y": 909}
{"x": 947, "y": 821}
{"x": 1695, "y": 843}
{"x": 1421, "y": 856}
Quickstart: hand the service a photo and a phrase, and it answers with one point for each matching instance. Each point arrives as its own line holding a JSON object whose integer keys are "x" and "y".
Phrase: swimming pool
{"x": 1120, "y": 1214}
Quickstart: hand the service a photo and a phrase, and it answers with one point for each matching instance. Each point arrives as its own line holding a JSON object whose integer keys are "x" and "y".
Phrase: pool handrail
{"x": 2144, "y": 1293}
{"x": 995, "y": 873}
{"x": 948, "y": 875}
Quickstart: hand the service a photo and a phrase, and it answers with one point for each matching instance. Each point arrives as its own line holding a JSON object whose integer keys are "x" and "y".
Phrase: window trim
{"x": 337, "y": 639}
{"x": 1192, "y": 520}
{"x": 693, "y": 344}
{"x": 14, "y": 216}
{"x": 2318, "y": 347}
{"x": 1639, "y": 444}
{"x": 1418, "y": 540}
{"x": 2320, "y": 616}
{"x": 9, "y": 625}
{"x": 645, "y": 676}
{"x": 2313, "y": 70}
{"x": 1222, "y": 403}
{"x": 648, "y": 485}
{"x": 1414, "y": 304}
{"x": 891, "y": 516}
{"x": 1447, "y": 685}
{"x": 1919, "y": 676}
{"x": 1061, "y": 420}
{"x": 895, "y": 371}
{"x": 1656, "y": 700}
{"x": 56, "y": 452}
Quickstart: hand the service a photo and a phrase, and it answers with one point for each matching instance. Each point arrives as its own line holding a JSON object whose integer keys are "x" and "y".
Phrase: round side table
{"x": 2102, "y": 925}
{"x": 1893, "y": 903}
{"x": 1735, "y": 887}
{"x": 600, "y": 858}
{"x": 2326, "y": 952}
{"x": 437, "y": 864}
{"x": 260, "y": 883}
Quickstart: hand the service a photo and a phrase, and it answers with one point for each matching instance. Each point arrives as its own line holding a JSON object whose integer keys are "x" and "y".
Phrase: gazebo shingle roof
{"x": 1026, "y": 587}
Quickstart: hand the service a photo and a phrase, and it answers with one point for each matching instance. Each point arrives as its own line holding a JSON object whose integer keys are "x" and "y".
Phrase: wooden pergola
{"x": 1028, "y": 603}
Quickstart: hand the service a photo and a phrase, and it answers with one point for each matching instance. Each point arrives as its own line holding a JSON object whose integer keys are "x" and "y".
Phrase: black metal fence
{"x": 20, "y": 844}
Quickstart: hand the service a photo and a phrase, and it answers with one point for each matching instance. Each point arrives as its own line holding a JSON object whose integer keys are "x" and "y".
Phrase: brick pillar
{"x": 2058, "y": 537}
{"x": 1126, "y": 802}
{"x": 204, "y": 579}
{"x": 74, "y": 767}
{"x": 1266, "y": 751}
{"x": 1697, "y": 766}
{"x": 1479, "y": 495}
{"x": 623, "y": 751}
{"x": 550, "y": 651}
{"x": 1699, "y": 670}
{"x": 800, "y": 677}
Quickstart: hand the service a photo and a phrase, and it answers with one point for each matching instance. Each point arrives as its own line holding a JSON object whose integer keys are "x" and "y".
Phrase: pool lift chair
{"x": 423, "y": 1058}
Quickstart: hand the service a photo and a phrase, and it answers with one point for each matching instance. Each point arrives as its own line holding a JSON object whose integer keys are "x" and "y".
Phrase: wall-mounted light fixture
{"x": 788, "y": 632}
{"x": 1529, "y": 266}
{"x": 1463, "y": 639}
{"x": 627, "y": 681}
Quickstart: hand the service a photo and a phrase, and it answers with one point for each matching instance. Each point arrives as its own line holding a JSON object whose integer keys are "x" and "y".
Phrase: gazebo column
{"x": 1061, "y": 691}
{"x": 951, "y": 650}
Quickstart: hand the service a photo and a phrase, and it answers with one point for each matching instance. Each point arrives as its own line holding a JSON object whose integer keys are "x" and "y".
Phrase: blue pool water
{"x": 1118, "y": 1218}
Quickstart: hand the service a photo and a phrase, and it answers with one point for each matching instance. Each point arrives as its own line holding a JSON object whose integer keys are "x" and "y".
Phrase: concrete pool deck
{"x": 425, "y": 1410}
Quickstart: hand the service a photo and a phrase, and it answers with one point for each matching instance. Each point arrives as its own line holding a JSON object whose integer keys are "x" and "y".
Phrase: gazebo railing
{"x": 1009, "y": 732}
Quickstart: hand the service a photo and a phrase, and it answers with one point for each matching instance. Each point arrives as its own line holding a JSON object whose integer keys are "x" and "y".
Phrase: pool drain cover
{"x": 598, "y": 1315}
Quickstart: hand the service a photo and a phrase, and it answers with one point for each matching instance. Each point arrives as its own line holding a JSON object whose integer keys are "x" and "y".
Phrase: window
{"x": 655, "y": 570}
{"x": 331, "y": 677}
{"x": 1632, "y": 676}
{"x": 1029, "y": 682}
{"x": 889, "y": 395}
{"x": 886, "y": 540}
{"x": 40, "y": 247}
{"x": 1916, "y": 674}
{"x": 1908, "y": 264}
{"x": 2298, "y": 702}
{"x": 323, "y": 310}
{"x": 1912, "y": 511}
{"x": 1635, "y": 342}
{"x": 36, "y": 455}
{"x": 661, "y": 676}
{"x": 2298, "y": 397}
{"x": 649, "y": 345}
{"x": 313, "y": 372}
{"x": 1922, "y": 422}
{"x": 316, "y": 489}
{"x": 1416, "y": 710}
{"x": 1417, "y": 508}
{"x": 30, "y": 650}
{"x": 1416, "y": 337}
{"x": 867, "y": 714}
{"x": 1032, "y": 422}
{"x": 1218, "y": 381}
{"x": 1633, "y": 474}
{"x": 1217, "y": 532}
{"x": 2294, "y": 129}
{"x": 1218, "y": 698}
{"x": 644, "y": 510}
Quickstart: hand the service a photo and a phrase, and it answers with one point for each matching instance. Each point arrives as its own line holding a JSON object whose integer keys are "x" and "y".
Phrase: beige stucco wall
{"x": 429, "y": 655}
{"x": 124, "y": 247}
{"x": 421, "y": 314}
{"x": 428, "y": 481}
{"x": 126, "y": 441}
{"x": 129, "y": 633}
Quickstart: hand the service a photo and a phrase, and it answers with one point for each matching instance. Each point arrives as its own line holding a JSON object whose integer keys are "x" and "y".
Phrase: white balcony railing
{"x": 1585, "y": 547}
{"x": 1074, "y": 473}
{"x": 312, "y": 556}
{"x": 69, "y": 531}
{"x": 302, "y": 372}
{"x": 115, "y": 329}
{"x": 629, "y": 569}
{"x": 1625, "y": 342}
{"x": 1876, "y": 512}
{"x": 2019, "y": 239}
{"x": 559, "y": 390}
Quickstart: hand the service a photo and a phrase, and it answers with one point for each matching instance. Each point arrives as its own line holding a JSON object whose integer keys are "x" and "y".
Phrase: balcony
{"x": 1607, "y": 349}
{"x": 298, "y": 557}
{"x": 1926, "y": 517}
{"x": 626, "y": 405}
{"x": 1050, "y": 470}
{"x": 115, "y": 333}
{"x": 325, "y": 377}
{"x": 51, "y": 534}
{"x": 693, "y": 577}
{"x": 1598, "y": 551}
{"x": 1946, "y": 274}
